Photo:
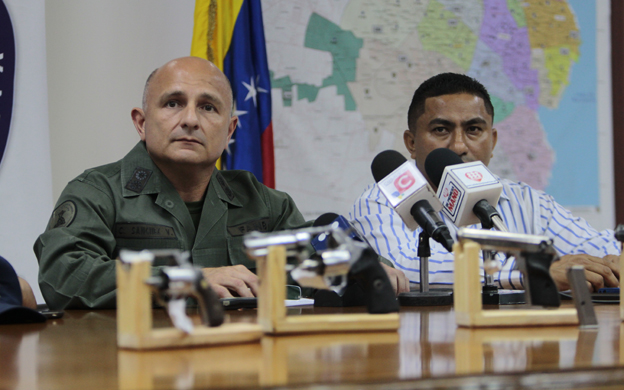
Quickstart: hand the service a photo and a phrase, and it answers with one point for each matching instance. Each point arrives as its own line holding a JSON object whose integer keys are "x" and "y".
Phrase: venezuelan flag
{"x": 230, "y": 33}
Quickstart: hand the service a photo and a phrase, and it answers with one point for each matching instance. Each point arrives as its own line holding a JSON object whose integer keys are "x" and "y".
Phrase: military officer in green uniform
{"x": 165, "y": 193}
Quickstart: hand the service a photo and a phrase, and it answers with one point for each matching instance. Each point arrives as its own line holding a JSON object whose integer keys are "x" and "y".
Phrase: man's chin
{"x": 187, "y": 159}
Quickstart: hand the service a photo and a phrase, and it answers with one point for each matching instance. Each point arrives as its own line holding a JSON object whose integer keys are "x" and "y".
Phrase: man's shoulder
{"x": 107, "y": 170}
{"x": 371, "y": 193}
{"x": 100, "y": 175}
{"x": 112, "y": 171}
{"x": 518, "y": 189}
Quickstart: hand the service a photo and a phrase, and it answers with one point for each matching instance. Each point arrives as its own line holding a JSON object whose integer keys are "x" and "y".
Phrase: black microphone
{"x": 468, "y": 191}
{"x": 410, "y": 195}
{"x": 320, "y": 242}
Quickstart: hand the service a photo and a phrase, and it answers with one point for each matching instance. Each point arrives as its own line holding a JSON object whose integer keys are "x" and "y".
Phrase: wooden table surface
{"x": 429, "y": 351}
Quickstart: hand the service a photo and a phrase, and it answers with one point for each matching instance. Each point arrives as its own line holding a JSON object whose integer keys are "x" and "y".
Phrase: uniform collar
{"x": 223, "y": 189}
{"x": 139, "y": 174}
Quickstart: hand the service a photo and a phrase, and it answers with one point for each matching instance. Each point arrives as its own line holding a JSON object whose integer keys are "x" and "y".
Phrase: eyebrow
{"x": 203, "y": 96}
{"x": 446, "y": 122}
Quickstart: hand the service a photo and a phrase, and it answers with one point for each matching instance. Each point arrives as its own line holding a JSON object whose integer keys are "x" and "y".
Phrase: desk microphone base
{"x": 502, "y": 297}
{"x": 429, "y": 298}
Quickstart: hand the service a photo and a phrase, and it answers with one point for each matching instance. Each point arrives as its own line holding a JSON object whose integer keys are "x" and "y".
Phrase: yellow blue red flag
{"x": 230, "y": 33}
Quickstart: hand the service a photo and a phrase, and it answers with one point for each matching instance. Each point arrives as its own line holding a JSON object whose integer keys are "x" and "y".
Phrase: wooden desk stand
{"x": 272, "y": 311}
{"x": 134, "y": 318}
{"x": 468, "y": 305}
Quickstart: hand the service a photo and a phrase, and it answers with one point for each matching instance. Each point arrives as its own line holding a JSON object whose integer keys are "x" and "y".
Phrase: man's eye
{"x": 172, "y": 104}
{"x": 474, "y": 129}
{"x": 439, "y": 130}
{"x": 208, "y": 107}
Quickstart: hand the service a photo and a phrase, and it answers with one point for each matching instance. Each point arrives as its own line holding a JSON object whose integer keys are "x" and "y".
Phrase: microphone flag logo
{"x": 404, "y": 181}
{"x": 474, "y": 175}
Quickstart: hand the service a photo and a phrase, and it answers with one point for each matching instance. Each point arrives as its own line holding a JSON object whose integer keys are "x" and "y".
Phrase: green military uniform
{"x": 131, "y": 204}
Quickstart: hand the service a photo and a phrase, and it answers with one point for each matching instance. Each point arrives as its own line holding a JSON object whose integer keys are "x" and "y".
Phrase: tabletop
{"x": 429, "y": 351}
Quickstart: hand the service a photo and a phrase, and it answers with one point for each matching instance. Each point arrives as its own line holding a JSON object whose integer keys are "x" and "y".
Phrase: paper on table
{"x": 299, "y": 302}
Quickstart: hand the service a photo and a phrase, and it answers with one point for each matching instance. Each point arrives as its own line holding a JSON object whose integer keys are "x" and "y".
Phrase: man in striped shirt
{"x": 454, "y": 111}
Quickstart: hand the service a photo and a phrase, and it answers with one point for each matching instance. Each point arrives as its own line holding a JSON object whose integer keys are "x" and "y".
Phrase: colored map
{"x": 344, "y": 71}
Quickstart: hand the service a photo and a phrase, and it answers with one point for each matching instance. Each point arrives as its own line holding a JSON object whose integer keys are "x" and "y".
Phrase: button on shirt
{"x": 523, "y": 210}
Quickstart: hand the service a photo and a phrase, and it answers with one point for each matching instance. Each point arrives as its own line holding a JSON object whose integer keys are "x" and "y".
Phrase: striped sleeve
{"x": 389, "y": 236}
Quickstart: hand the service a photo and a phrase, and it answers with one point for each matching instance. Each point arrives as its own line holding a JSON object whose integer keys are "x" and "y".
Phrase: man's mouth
{"x": 189, "y": 140}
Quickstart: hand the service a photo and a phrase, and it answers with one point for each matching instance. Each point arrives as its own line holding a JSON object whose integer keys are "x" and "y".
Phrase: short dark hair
{"x": 446, "y": 84}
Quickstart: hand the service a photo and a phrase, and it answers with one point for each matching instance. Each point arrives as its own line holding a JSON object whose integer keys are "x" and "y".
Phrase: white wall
{"x": 25, "y": 177}
{"x": 99, "y": 54}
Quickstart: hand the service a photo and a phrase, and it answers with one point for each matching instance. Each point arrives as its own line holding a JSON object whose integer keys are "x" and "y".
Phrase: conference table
{"x": 429, "y": 351}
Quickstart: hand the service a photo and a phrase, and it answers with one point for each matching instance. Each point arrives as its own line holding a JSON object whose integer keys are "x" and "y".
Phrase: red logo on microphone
{"x": 404, "y": 182}
{"x": 474, "y": 175}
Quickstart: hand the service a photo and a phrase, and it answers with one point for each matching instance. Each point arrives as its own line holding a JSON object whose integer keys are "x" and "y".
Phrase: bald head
{"x": 197, "y": 67}
{"x": 186, "y": 121}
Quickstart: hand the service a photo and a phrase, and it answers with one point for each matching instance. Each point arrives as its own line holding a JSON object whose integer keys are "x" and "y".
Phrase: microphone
{"x": 320, "y": 242}
{"x": 410, "y": 195}
{"x": 469, "y": 192}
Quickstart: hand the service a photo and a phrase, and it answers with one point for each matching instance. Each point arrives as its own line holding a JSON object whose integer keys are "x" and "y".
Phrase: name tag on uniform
{"x": 143, "y": 230}
{"x": 259, "y": 225}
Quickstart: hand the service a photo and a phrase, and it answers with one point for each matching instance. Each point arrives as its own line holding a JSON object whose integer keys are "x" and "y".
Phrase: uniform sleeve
{"x": 573, "y": 235}
{"x": 74, "y": 253}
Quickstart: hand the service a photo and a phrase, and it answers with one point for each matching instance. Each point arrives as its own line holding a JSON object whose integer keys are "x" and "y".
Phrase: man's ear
{"x": 494, "y": 137}
{"x": 138, "y": 118}
{"x": 408, "y": 139}
{"x": 231, "y": 128}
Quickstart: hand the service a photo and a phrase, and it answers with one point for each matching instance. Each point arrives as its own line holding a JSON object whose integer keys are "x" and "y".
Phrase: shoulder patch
{"x": 63, "y": 215}
{"x": 139, "y": 179}
{"x": 260, "y": 225}
{"x": 226, "y": 188}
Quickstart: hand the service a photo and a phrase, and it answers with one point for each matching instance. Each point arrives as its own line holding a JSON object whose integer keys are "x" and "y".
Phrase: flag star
{"x": 238, "y": 113}
{"x": 252, "y": 90}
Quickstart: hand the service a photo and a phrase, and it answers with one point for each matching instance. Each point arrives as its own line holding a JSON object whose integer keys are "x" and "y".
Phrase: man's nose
{"x": 190, "y": 120}
{"x": 458, "y": 143}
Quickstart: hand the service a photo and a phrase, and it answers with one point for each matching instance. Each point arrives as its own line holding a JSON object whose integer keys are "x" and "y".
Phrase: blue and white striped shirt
{"x": 523, "y": 210}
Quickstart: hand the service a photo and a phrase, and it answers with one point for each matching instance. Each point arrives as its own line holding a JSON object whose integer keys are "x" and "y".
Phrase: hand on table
{"x": 599, "y": 272}
{"x": 400, "y": 282}
{"x": 230, "y": 281}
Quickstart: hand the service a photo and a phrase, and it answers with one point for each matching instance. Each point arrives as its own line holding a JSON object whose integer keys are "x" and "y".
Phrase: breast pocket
{"x": 138, "y": 244}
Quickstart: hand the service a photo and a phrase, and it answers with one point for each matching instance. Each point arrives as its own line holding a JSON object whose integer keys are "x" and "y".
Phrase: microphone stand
{"x": 425, "y": 297}
{"x": 491, "y": 295}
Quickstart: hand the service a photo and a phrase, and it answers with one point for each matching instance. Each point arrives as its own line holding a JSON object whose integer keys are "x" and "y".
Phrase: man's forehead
{"x": 463, "y": 104}
{"x": 182, "y": 76}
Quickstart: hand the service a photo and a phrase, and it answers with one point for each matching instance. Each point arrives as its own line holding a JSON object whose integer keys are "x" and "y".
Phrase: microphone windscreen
{"x": 325, "y": 219}
{"x": 437, "y": 160}
{"x": 386, "y": 162}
